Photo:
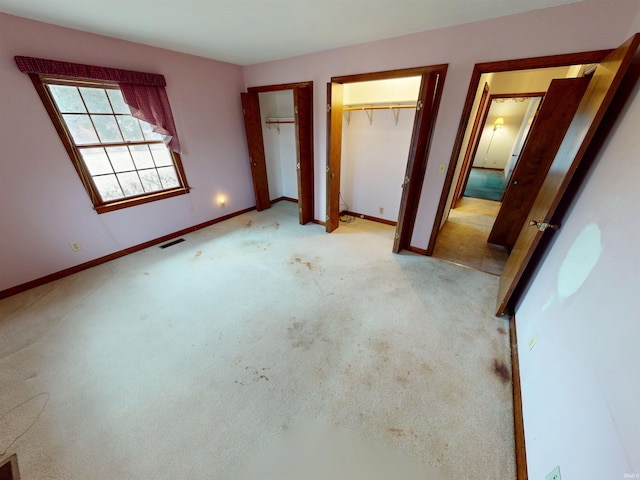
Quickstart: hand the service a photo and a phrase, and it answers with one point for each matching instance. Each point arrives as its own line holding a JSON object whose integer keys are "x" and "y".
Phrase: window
{"x": 117, "y": 128}
{"x": 120, "y": 159}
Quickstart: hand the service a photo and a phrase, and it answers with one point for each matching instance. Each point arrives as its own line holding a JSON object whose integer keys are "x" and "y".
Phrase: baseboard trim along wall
{"x": 112, "y": 256}
{"x": 518, "y": 420}
{"x": 368, "y": 217}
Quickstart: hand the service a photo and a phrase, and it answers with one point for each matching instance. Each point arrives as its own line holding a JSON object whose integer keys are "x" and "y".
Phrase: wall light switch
{"x": 75, "y": 246}
{"x": 441, "y": 168}
{"x": 553, "y": 474}
{"x": 533, "y": 341}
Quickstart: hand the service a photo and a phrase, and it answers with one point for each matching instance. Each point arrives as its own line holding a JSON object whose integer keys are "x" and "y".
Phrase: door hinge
{"x": 406, "y": 182}
{"x": 295, "y": 110}
{"x": 298, "y": 166}
{"x": 397, "y": 236}
{"x": 328, "y": 108}
{"x": 419, "y": 105}
{"x": 328, "y": 169}
{"x": 300, "y": 210}
{"x": 542, "y": 226}
{"x": 327, "y": 217}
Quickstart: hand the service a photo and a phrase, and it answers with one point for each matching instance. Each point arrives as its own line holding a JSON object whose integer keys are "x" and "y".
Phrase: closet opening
{"x": 379, "y": 128}
{"x": 279, "y": 128}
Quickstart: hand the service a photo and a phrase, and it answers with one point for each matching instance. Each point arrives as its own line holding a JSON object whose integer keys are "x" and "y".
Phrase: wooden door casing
{"x": 599, "y": 94}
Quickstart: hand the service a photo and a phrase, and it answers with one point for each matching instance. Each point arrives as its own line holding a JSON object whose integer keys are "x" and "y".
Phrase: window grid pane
{"x": 98, "y": 116}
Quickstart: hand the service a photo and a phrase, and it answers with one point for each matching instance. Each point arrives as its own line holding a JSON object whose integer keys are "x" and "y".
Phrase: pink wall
{"x": 43, "y": 205}
{"x": 591, "y": 25}
{"x": 580, "y": 380}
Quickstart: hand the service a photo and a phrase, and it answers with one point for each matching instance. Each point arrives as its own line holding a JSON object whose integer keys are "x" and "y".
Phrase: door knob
{"x": 542, "y": 226}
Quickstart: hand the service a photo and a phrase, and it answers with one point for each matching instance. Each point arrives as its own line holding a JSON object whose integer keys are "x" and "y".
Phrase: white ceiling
{"x": 252, "y": 31}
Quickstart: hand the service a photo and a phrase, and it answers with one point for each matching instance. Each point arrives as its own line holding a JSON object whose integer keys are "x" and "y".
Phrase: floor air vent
{"x": 172, "y": 243}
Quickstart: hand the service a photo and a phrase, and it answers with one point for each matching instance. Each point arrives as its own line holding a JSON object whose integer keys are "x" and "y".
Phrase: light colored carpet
{"x": 192, "y": 361}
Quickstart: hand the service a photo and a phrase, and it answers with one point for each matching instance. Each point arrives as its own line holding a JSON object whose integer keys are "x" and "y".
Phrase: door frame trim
{"x": 494, "y": 67}
{"x": 421, "y": 163}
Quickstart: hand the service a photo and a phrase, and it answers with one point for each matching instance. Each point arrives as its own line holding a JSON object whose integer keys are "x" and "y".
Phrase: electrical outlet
{"x": 75, "y": 246}
{"x": 381, "y": 210}
{"x": 441, "y": 168}
{"x": 553, "y": 474}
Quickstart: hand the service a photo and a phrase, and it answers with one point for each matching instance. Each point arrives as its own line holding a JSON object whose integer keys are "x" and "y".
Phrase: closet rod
{"x": 376, "y": 107}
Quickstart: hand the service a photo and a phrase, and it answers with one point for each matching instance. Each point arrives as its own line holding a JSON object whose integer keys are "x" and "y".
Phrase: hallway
{"x": 463, "y": 238}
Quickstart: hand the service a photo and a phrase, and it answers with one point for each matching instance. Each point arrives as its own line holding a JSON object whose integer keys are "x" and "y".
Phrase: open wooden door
{"x": 302, "y": 109}
{"x": 472, "y": 147}
{"x": 598, "y": 96}
{"x": 417, "y": 162}
{"x": 334, "y": 152}
{"x": 255, "y": 143}
{"x": 552, "y": 121}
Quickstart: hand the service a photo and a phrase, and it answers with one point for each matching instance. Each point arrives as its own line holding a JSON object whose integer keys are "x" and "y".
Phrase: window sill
{"x": 133, "y": 201}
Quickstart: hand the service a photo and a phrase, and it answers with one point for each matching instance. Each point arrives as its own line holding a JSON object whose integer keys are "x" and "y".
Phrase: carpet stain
{"x": 397, "y": 432}
{"x": 381, "y": 346}
{"x": 198, "y": 253}
{"x": 502, "y": 331}
{"x": 402, "y": 380}
{"x": 299, "y": 338}
{"x": 249, "y": 223}
{"x": 425, "y": 368}
{"x": 308, "y": 264}
{"x": 146, "y": 273}
{"x": 501, "y": 370}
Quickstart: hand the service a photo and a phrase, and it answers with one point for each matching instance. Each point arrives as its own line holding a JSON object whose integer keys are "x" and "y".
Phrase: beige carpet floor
{"x": 209, "y": 357}
{"x": 463, "y": 238}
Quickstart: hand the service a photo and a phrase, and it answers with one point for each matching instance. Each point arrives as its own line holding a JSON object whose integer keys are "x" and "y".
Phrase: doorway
{"x": 606, "y": 71}
{"x": 502, "y": 108}
{"x": 426, "y": 105}
{"x": 279, "y": 129}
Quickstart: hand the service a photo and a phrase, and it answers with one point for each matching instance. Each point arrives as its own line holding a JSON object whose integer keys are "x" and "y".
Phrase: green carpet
{"x": 486, "y": 184}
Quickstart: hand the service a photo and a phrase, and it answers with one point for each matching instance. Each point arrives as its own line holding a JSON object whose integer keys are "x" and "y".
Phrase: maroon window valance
{"x": 42, "y": 66}
{"x": 143, "y": 92}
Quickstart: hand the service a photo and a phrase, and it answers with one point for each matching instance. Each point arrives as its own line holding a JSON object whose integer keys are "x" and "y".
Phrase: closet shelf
{"x": 369, "y": 108}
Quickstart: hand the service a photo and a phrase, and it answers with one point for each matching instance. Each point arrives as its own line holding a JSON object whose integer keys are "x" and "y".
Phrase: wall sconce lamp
{"x": 222, "y": 200}
{"x": 498, "y": 123}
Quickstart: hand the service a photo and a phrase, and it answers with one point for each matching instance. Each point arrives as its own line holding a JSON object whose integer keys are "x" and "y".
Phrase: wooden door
{"x": 334, "y": 152}
{"x": 554, "y": 117}
{"x": 417, "y": 161}
{"x": 472, "y": 147}
{"x": 303, "y": 112}
{"x": 598, "y": 96}
{"x": 255, "y": 143}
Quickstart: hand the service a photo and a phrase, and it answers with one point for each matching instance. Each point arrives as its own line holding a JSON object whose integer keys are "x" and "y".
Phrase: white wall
{"x": 279, "y": 144}
{"x": 374, "y": 154}
{"x": 580, "y": 382}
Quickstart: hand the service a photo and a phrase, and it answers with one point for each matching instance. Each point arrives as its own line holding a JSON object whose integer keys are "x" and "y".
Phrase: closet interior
{"x": 378, "y": 121}
{"x": 279, "y": 136}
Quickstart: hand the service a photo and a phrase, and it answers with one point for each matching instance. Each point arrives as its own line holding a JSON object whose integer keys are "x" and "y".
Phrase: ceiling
{"x": 245, "y": 32}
